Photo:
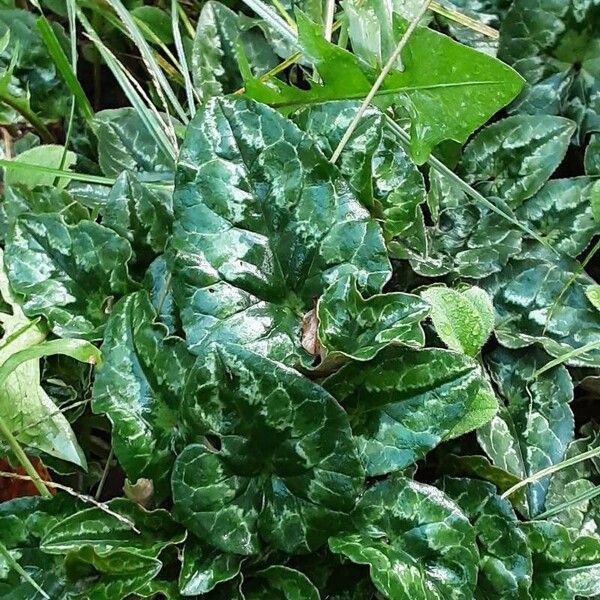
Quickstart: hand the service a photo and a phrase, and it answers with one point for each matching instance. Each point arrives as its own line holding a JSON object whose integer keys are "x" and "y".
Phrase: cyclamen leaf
{"x": 463, "y": 319}
{"x": 106, "y": 535}
{"x": 112, "y": 577}
{"x": 416, "y": 541}
{"x": 263, "y": 225}
{"x": 440, "y": 78}
{"x": 139, "y": 214}
{"x": 377, "y": 168}
{"x": 358, "y": 328}
{"x": 280, "y": 582}
{"x": 593, "y": 295}
{"x": 533, "y": 429}
{"x": 216, "y": 50}
{"x": 524, "y": 295}
{"x": 68, "y": 273}
{"x": 138, "y": 388}
{"x": 505, "y": 567}
{"x": 203, "y": 568}
{"x": 562, "y": 212}
{"x": 124, "y": 144}
{"x": 513, "y": 158}
{"x": 553, "y": 45}
{"x": 403, "y": 403}
{"x": 592, "y": 156}
{"x": 566, "y": 566}
{"x": 282, "y": 464}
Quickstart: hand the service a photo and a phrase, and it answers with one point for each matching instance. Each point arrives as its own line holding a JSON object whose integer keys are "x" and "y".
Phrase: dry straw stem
{"x": 87, "y": 499}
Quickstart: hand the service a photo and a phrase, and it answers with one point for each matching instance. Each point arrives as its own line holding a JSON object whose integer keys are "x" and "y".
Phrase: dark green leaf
{"x": 513, "y": 158}
{"x": 404, "y": 402}
{"x": 505, "y": 565}
{"x": 139, "y": 387}
{"x": 566, "y": 566}
{"x": 535, "y": 425}
{"x": 124, "y": 143}
{"x": 139, "y": 214}
{"x": 554, "y": 46}
{"x": 203, "y": 568}
{"x": 68, "y": 273}
{"x": 530, "y": 308}
{"x": 358, "y": 328}
{"x": 282, "y": 462}
{"x": 280, "y": 583}
{"x": 416, "y": 541}
{"x": 263, "y": 224}
{"x": 94, "y": 529}
{"x": 216, "y": 50}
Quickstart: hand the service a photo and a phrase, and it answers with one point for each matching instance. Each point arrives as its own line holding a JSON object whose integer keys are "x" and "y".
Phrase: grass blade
{"x": 64, "y": 67}
{"x": 273, "y": 19}
{"x": 189, "y": 88}
{"x": 552, "y": 469}
{"x": 163, "y": 87}
{"x": 20, "y": 166}
{"x": 13, "y": 564}
{"x": 147, "y": 112}
{"x": 583, "y": 497}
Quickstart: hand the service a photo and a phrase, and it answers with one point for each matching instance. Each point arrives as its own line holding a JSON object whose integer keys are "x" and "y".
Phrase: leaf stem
{"x": 552, "y": 469}
{"x": 379, "y": 81}
{"x": 24, "y": 459}
{"x": 30, "y": 117}
{"x": 10, "y": 559}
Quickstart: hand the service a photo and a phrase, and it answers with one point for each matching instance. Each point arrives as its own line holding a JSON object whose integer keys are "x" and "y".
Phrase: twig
{"x": 87, "y": 499}
{"x": 378, "y": 82}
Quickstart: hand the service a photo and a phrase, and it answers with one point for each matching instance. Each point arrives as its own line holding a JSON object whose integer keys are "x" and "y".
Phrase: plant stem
{"x": 379, "y": 81}
{"x": 30, "y": 117}
{"x": 23, "y": 459}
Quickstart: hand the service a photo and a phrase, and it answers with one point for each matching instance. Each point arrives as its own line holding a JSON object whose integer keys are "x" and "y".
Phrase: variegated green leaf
{"x": 358, "y": 328}
{"x": 566, "y": 565}
{"x": 261, "y": 229}
{"x": 139, "y": 388}
{"x": 415, "y": 540}
{"x": 278, "y": 461}
{"x": 535, "y": 424}
{"x": 405, "y": 402}
{"x": 505, "y": 566}
{"x": 540, "y": 298}
{"x": 70, "y": 274}
{"x": 107, "y": 535}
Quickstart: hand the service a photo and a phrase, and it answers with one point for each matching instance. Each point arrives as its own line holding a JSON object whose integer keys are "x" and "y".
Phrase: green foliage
{"x": 243, "y": 372}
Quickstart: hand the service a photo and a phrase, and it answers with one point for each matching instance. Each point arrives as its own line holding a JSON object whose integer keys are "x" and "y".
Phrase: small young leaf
{"x": 49, "y": 155}
{"x": 359, "y": 328}
{"x": 463, "y": 319}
